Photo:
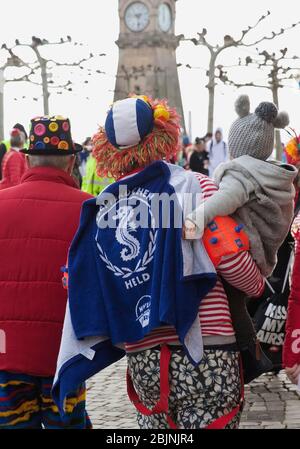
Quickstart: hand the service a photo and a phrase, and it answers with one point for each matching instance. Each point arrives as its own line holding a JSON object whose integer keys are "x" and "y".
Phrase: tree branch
{"x": 251, "y": 84}
{"x": 273, "y": 36}
{"x": 250, "y": 28}
{"x": 72, "y": 64}
{"x": 229, "y": 41}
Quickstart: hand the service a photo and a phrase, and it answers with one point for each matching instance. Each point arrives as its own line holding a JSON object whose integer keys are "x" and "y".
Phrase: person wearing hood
{"x": 258, "y": 193}
{"x": 217, "y": 151}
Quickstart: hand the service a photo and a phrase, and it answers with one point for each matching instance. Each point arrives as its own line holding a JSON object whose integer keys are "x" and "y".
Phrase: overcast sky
{"x": 95, "y": 23}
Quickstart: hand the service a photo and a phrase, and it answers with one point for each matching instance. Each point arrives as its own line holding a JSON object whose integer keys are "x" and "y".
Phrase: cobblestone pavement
{"x": 272, "y": 402}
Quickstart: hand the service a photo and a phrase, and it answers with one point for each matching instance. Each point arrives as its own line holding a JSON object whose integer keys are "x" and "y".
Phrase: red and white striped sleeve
{"x": 207, "y": 185}
{"x": 241, "y": 272}
{"x": 239, "y": 269}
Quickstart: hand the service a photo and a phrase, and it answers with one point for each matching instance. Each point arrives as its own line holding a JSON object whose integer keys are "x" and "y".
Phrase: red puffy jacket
{"x": 291, "y": 350}
{"x": 13, "y": 168}
{"x": 38, "y": 220}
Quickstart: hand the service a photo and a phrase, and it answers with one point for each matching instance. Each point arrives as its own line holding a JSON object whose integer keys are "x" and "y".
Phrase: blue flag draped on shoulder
{"x": 130, "y": 272}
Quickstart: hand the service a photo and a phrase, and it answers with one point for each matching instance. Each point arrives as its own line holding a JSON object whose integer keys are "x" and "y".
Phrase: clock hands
{"x": 137, "y": 16}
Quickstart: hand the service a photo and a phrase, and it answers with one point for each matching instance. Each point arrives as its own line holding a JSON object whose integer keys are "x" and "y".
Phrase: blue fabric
{"x": 100, "y": 305}
{"x": 144, "y": 122}
{"x": 144, "y": 117}
{"x": 110, "y": 129}
{"x": 78, "y": 369}
{"x": 127, "y": 307}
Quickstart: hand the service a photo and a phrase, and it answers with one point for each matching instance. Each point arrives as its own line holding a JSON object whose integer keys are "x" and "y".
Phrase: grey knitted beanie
{"x": 253, "y": 134}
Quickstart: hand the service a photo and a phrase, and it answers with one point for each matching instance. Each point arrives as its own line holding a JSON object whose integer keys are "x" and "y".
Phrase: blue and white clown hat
{"x": 128, "y": 122}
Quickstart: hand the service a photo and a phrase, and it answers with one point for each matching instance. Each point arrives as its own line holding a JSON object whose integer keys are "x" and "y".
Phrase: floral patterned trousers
{"x": 198, "y": 395}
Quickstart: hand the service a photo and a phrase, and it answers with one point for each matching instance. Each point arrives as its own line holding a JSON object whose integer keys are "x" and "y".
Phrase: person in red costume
{"x": 291, "y": 355}
{"x": 14, "y": 163}
{"x": 39, "y": 218}
{"x": 291, "y": 352}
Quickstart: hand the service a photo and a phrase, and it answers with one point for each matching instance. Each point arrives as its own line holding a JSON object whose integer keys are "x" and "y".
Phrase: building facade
{"x": 147, "y": 51}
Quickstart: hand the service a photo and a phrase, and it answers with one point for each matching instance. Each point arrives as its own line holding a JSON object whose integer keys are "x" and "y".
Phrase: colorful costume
{"x": 130, "y": 283}
{"x": 291, "y": 350}
{"x": 23, "y": 408}
{"x": 134, "y": 284}
{"x": 39, "y": 220}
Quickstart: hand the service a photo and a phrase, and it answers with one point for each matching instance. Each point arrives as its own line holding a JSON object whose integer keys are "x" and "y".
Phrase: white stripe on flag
{"x": 125, "y": 122}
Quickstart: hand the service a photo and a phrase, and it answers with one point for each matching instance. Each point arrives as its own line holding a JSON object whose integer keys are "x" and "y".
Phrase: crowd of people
{"x": 83, "y": 284}
{"x": 206, "y": 153}
{"x": 202, "y": 157}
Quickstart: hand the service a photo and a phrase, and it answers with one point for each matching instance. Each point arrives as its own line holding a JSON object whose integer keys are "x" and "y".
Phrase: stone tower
{"x": 147, "y": 45}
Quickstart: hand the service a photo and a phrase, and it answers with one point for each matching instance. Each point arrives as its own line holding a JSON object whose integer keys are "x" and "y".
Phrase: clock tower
{"x": 147, "y": 46}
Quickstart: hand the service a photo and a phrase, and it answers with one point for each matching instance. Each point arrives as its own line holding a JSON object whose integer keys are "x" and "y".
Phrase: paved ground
{"x": 271, "y": 402}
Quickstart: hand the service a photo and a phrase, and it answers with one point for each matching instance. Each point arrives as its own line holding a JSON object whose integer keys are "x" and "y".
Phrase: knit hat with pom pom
{"x": 253, "y": 134}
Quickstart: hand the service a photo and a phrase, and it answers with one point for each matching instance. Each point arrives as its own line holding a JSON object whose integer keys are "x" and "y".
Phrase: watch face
{"x": 164, "y": 17}
{"x": 137, "y": 16}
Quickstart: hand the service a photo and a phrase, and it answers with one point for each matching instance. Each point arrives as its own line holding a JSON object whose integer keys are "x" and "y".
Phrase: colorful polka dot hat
{"x": 51, "y": 136}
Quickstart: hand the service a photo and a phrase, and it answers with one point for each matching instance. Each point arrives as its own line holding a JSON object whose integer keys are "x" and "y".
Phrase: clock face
{"x": 164, "y": 17}
{"x": 137, "y": 16}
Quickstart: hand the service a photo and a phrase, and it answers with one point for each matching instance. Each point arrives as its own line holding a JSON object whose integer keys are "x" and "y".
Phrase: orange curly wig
{"x": 161, "y": 144}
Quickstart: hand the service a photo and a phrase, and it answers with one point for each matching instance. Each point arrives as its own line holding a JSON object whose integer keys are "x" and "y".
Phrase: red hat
{"x": 15, "y": 132}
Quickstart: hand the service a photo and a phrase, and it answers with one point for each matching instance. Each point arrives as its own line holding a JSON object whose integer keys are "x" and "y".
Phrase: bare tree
{"x": 280, "y": 68}
{"x": 229, "y": 42}
{"x": 41, "y": 67}
{"x": 11, "y": 61}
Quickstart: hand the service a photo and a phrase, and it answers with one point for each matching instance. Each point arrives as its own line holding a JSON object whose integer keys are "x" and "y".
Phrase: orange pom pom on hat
{"x": 138, "y": 131}
{"x": 292, "y": 150}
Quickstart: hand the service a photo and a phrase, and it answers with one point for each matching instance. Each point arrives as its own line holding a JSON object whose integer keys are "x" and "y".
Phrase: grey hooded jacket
{"x": 260, "y": 196}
